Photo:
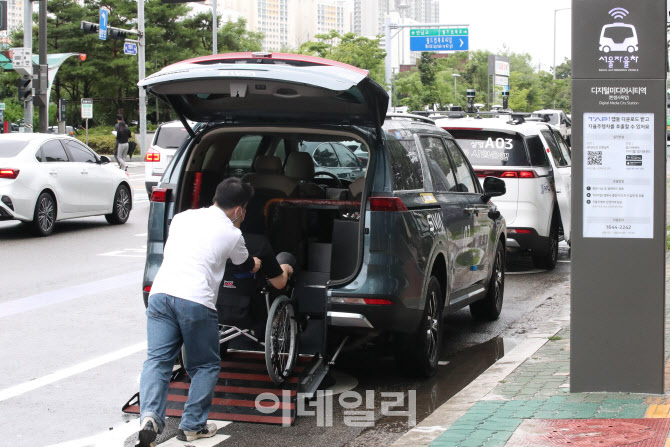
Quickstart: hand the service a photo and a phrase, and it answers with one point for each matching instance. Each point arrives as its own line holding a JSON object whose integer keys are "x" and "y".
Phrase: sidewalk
{"x": 524, "y": 400}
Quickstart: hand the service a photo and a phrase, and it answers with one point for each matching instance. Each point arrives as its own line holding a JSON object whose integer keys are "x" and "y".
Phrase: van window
{"x": 490, "y": 148}
{"x": 565, "y": 150}
{"x": 243, "y": 155}
{"x": 464, "y": 175}
{"x": 405, "y": 165}
{"x": 439, "y": 164}
{"x": 559, "y": 159}
{"x": 618, "y": 33}
{"x": 280, "y": 151}
{"x": 536, "y": 151}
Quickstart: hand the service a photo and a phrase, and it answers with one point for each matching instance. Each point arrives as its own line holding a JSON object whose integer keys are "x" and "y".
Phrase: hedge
{"x": 102, "y": 144}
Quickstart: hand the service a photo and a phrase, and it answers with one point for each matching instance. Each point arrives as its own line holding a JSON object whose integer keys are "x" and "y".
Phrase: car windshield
{"x": 11, "y": 148}
{"x": 171, "y": 137}
{"x": 337, "y": 158}
{"x": 490, "y": 148}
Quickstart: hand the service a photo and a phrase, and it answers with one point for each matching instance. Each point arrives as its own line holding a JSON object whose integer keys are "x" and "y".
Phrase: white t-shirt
{"x": 194, "y": 260}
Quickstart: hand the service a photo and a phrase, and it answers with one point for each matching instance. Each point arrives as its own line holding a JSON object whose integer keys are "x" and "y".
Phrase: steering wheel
{"x": 331, "y": 175}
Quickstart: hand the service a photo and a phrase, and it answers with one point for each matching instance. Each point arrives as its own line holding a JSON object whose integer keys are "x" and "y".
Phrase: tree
{"x": 361, "y": 52}
{"x": 564, "y": 71}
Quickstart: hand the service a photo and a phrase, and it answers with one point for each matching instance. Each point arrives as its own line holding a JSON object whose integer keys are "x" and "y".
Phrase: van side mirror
{"x": 104, "y": 159}
{"x": 493, "y": 187}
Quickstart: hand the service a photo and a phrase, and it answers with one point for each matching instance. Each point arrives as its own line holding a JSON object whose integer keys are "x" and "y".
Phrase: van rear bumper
{"x": 526, "y": 241}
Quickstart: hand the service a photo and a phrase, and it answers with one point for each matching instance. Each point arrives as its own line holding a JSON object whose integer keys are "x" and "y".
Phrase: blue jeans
{"x": 172, "y": 321}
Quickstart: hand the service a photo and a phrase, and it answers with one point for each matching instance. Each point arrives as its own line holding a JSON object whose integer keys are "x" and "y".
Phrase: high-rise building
{"x": 271, "y": 17}
{"x": 370, "y": 17}
{"x": 14, "y": 19}
{"x": 311, "y": 17}
{"x": 422, "y": 11}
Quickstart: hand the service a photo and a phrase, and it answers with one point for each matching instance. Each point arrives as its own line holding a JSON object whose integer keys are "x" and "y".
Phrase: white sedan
{"x": 45, "y": 178}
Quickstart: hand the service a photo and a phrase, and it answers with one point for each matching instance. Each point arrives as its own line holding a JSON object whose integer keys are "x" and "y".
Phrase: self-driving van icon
{"x": 618, "y": 37}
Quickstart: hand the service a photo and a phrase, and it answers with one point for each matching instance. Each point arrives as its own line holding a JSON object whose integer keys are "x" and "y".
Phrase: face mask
{"x": 235, "y": 220}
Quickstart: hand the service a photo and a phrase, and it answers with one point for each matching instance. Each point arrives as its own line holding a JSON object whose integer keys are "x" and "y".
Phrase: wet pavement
{"x": 469, "y": 348}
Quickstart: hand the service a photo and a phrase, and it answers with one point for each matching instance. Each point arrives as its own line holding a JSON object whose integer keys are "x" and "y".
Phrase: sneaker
{"x": 187, "y": 435}
{"x": 148, "y": 432}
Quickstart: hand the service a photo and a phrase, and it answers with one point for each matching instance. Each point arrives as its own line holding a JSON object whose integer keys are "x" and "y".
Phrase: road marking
{"x": 141, "y": 235}
{"x": 128, "y": 252}
{"x": 34, "y": 384}
{"x": 119, "y": 433}
{"x": 69, "y": 293}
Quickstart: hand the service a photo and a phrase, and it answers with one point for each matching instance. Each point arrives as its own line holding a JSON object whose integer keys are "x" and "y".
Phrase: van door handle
{"x": 84, "y": 171}
{"x": 53, "y": 172}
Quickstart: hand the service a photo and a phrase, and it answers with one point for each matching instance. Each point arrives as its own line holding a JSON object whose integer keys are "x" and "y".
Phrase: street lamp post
{"x": 456, "y": 76}
{"x": 554, "y": 60}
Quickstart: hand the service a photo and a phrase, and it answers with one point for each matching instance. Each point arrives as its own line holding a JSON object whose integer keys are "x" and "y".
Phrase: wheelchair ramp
{"x": 243, "y": 378}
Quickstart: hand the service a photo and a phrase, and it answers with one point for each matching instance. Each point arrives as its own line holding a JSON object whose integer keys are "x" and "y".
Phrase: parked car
{"x": 167, "y": 139}
{"x": 559, "y": 119}
{"x": 360, "y": 151}
{"x": 69, "y": 130}
{"x": 413, "y": 238}
{"x": 333, "y": 159}
{"x": 534, "y": 161}
{"x": 45, "y": 178}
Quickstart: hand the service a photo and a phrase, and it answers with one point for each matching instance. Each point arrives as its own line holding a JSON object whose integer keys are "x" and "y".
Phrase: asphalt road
{"x": 73, "y": 338}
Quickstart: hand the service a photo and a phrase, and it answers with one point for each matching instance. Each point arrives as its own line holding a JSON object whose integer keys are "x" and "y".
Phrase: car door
{"x": 96, "y": 184}
{"x": 561, "y": 164}
{"x": 454, "y": 218}
{"x": 479, "y": 250}
{"x": 62, "y": 176}
{"x": 350, "y": 168}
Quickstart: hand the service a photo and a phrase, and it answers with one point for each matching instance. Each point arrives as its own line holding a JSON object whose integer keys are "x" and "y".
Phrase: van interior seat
{"x": 268, "y": 183}
{"x": 356, "y": 189}
{"x": 300, "y": 166}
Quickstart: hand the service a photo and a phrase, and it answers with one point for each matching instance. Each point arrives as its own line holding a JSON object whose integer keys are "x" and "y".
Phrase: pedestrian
{"x": 119, "y": 118}
{"x": 123, "y": 134}
{"x": 182, "y": 310}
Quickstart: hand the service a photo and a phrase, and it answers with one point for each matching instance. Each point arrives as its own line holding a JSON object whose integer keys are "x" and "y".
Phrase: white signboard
{"x": 502, "y": 81}
{"x": 618, "y": 167}
{"x": 86, "y": 108}
{"x": 2, "y": 106}
{"x": 501, "y": 68}
{"x": 22, "y": 60}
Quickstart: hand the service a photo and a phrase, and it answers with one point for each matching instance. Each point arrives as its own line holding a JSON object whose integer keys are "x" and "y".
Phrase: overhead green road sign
{"x": 420, "y": 32}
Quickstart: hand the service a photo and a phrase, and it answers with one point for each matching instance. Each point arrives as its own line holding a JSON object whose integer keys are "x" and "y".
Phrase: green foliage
{"x": 100, "y": 139}
{"x": 108, "y": 75}
{"x": 351, "y": 49}
{"x": 432, "y": 82}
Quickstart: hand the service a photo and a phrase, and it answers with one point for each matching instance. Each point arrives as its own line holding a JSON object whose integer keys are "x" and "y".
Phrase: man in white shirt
{"x": 182, "y": 309}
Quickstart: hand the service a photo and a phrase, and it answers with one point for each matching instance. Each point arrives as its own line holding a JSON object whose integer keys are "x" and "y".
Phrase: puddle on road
{"x": 462, "y": 368}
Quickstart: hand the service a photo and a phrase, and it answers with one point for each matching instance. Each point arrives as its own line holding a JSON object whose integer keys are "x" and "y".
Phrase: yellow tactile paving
{"x": 650, "y": 411}
{"x": 667, "y": 443}
{"x": 660, "y": 412}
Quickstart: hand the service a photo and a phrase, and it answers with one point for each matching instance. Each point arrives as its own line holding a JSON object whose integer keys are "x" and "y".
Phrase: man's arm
{"x": 239, "y": 255}
{"x": 279, "y": 282}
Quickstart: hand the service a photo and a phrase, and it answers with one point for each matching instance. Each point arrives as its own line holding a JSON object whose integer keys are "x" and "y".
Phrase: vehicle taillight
{"x": 387, "y": 204}
{"x": 518, "y": 231}
{"x": 9, "y": 173}
{"x": 158, "y": 194}
{"x": 506, "y": 174}
{"x": 147, "y": 288}
{"x": 152, "y": 156}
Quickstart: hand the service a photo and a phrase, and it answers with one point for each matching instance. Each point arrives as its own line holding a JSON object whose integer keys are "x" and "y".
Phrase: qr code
{"x": 594, "y": 158}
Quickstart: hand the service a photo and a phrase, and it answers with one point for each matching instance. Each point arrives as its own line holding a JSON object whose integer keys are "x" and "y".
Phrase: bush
{"x": 101, "y": 139}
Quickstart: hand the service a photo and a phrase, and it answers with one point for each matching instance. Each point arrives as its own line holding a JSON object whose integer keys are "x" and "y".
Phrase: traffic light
{"x": 3, "y": 16}
{"x": 25, "y": 85}
{"x": 90, "y": 27}
{"x": 116, "y": 33}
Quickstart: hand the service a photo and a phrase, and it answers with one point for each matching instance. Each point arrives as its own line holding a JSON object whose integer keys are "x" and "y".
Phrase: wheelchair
{"x": 249, "y": 307}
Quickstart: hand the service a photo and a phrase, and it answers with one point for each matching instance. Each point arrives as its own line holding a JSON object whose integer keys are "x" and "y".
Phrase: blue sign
{"x": 130, "y": 48}
{"x": 102, "y": 30}
{"x": 2, "y": 117}
{"x": 439, "y": 43}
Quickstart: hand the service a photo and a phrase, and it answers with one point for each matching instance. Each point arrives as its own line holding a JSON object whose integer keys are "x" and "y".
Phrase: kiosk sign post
{"x": 619, "y": 56}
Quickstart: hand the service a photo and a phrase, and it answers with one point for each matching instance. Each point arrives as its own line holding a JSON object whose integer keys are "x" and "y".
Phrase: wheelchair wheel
{"x": 281, "y": 340}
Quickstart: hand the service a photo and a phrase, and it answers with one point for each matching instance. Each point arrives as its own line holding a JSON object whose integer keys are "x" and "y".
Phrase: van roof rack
{"x": 410, "y": 116}
{"x": 518, "y": 118}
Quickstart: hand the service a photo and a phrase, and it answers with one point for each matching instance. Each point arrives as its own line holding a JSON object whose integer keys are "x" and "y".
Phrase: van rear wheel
{"x": 417, "y": 354}
{"x": 548, "y": 257}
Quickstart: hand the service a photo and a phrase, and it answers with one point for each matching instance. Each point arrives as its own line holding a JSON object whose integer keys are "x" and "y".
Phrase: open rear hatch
{"x": 262, "y": 87}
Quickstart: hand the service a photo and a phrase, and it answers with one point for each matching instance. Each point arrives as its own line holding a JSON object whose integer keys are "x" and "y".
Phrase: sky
{"x": 522, "y": 26}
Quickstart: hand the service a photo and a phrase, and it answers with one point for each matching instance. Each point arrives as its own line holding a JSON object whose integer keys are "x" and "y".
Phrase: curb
{"x": 449, "y": 412}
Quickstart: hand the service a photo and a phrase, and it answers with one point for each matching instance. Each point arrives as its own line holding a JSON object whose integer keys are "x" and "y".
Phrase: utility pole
{"x": 141, "y": 51}
{"x": 215, "y": 28}
{"x": 28, "y": 43}
{"x": 42, "y": 82}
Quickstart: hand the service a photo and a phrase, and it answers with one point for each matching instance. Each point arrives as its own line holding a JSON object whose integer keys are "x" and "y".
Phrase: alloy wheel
{"x": 46, "y": 213}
